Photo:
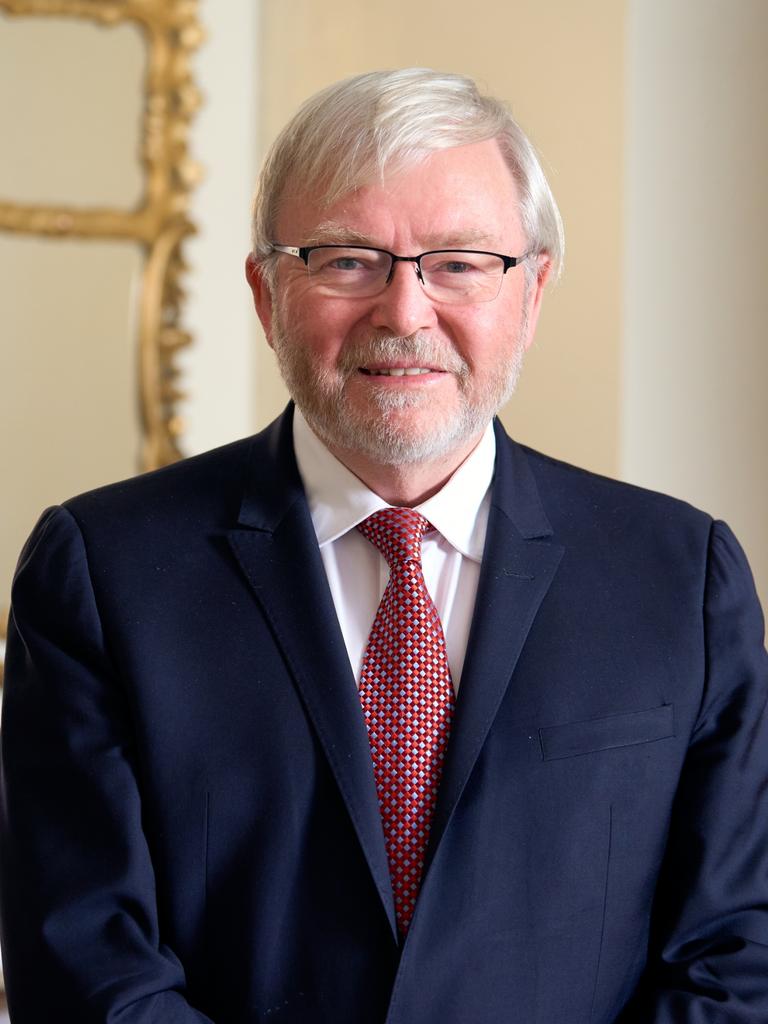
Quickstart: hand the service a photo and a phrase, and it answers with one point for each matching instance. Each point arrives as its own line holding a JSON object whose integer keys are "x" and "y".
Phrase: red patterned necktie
{"x": 407, "y": 698}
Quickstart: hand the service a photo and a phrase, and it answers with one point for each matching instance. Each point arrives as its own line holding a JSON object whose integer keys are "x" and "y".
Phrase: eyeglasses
{"x": 447, "y": 275}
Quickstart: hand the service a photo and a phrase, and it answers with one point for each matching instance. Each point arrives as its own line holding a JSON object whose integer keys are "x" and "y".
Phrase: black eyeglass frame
{"x": 303, "y": 253}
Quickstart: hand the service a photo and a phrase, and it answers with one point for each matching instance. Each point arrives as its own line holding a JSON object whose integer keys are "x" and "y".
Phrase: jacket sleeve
{"x": 708, "y": 961}
{"x": 80, "y": 933}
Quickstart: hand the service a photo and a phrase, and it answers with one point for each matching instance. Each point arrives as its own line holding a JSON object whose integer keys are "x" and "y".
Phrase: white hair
{"x": 354, "y": 131}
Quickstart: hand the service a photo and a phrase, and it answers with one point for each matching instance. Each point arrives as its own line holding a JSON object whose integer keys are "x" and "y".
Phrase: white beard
{"x": 376, "y": 432}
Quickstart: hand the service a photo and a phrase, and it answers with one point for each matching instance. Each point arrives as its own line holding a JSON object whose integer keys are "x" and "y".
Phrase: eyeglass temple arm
{"x": 301, "y": 251}
{"x": 513, "y": 261}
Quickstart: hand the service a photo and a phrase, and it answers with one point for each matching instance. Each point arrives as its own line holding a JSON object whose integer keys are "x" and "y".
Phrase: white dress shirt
{"x": 357, "y": 572}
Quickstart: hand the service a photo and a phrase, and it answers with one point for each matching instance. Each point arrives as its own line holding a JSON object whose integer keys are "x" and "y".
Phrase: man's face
{"x": 335, "y": 352}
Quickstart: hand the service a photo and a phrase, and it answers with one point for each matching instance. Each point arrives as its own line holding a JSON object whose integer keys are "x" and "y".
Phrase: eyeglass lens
{"x": 448, "y": 276}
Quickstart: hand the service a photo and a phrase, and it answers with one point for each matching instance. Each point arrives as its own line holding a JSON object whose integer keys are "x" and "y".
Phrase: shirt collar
{"x": 459, "y": 510}
{"x": 338, "y": 500}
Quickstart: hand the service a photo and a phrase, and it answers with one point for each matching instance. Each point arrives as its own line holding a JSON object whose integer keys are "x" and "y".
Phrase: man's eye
{"x": 457, "y": 267}
{"x": 453, "y": 267}
{"x": 345, "y": 263}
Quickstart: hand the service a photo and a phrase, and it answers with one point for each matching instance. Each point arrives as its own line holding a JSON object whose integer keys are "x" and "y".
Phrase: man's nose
{"x": 403, "y": 307}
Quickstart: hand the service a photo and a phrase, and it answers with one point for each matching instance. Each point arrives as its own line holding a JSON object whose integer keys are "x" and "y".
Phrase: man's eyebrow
{"x": 330, "y": 231}
{"x": 333, "y": 231}
{"x": 460, "y": 240}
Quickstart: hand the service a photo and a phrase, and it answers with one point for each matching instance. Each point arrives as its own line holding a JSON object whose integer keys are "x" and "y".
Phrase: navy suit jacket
{"x": 190, "y": 823}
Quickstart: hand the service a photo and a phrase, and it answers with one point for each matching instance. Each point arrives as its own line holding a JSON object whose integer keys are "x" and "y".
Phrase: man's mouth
{"x": 397, "y": 371}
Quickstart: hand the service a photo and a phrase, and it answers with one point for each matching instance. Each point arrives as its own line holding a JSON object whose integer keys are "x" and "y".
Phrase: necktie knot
{"x": 397, "y": 533}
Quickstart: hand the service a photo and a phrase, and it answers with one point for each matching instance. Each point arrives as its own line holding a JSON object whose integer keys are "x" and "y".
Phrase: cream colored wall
{"x": 695, "y": 413}
{"x": 560, "y": 65}
{"x": 68, "y": 413}
{"x": 219, "y": 367}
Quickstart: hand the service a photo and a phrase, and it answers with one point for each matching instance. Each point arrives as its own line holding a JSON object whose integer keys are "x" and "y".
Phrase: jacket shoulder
{"x": 206, "y": 486}
{"x": 567, "y": 489}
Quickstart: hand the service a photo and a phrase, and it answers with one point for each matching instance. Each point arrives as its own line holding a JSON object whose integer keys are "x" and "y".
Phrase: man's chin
{"x": 398, "y": 437}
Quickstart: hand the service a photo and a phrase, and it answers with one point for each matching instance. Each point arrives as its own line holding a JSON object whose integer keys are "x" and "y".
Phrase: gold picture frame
{"x": 160, "y": 222}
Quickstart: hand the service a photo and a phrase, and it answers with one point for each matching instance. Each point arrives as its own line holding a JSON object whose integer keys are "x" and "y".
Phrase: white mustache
{"x": 420, "y": 349}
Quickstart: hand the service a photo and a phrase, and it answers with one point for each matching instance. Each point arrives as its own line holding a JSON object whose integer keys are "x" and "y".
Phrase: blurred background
{"x": 649, "y": 115}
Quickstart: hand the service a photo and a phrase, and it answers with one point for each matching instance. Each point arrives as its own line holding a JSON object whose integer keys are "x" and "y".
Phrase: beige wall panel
{"x": 69, "y": 132}
{"x": 695, "y": 411}
{"x": 560, "y": 66}
{"x": 71, "y": 112}
{"x": 67, "y": 363}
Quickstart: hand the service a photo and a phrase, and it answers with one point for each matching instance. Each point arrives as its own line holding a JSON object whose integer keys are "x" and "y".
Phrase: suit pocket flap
{"x": 605, "y": 733}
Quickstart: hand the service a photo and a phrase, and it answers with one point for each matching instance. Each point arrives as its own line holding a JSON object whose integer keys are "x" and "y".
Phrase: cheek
{"x": 477, "y": 336}
{"x": 324, "y": 325}
{"x": 496, "y": 330}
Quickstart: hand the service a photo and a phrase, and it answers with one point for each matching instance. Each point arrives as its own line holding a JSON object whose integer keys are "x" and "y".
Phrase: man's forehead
{"x": 463, "y": 197}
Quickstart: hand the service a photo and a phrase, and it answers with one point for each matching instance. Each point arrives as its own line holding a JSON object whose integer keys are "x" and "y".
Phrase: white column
{"x": 219, "y": 368}
{"x": 695, "y": 402}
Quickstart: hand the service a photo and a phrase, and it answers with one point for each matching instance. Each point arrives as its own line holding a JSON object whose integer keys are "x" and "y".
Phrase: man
{"x": 377, "y": 716}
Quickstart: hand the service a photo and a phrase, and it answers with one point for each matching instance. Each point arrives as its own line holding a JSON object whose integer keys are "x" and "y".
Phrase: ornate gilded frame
{"x": 160, "y": 221}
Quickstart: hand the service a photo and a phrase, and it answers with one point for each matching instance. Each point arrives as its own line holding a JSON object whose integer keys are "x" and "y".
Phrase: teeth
{"x": 399, "y": 371}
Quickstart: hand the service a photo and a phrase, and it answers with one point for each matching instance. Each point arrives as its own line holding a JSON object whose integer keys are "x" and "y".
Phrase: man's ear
{"x": 262, "y": 296}
{"x": 535, "y": 295}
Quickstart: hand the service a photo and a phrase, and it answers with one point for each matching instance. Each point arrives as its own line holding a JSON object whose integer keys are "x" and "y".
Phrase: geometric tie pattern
{"x": 407, "y": 699}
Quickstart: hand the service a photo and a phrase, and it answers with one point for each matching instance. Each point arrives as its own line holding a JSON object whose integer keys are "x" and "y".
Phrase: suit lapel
{"x": 276, "y": 547}
{"x": 519, "y": 564}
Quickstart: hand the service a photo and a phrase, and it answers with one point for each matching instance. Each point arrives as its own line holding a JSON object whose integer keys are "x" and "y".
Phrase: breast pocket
{"x": 624, "y": 730}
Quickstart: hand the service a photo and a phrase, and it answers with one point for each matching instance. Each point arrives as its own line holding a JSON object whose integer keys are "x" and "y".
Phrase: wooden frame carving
{"x": 160, "y": 222}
